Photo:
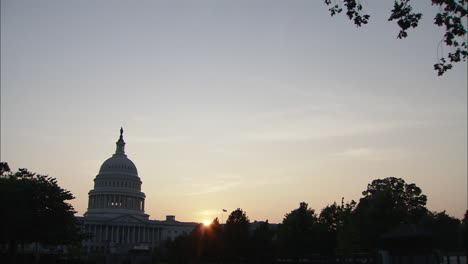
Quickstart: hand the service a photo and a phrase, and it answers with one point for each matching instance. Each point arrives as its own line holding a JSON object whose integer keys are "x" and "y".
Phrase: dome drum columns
{"x": 116, "y": 201}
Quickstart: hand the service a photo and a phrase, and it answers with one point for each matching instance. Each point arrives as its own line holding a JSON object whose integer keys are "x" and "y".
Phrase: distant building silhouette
{"x": 116, "y": 216}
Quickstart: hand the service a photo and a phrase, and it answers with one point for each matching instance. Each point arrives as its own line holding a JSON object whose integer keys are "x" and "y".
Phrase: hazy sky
{"x": 231, "y": 103}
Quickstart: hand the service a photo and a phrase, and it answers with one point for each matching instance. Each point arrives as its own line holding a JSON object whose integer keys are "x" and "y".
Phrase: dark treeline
{"x": 391, "y": 216}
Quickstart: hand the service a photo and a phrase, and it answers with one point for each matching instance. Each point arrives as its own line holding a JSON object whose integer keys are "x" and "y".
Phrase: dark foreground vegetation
{"x": 34, "y": 211}
{"x": 391, "y": 218}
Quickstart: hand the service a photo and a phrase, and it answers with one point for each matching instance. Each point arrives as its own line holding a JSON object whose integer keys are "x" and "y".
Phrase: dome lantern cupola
{"x": 120, "y": 144}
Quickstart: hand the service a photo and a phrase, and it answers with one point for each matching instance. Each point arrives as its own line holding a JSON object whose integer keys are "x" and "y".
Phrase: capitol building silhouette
{"x": 116, "y": 219}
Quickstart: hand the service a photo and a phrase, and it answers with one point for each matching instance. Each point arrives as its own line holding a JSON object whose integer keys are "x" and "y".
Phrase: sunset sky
{"x": 257, "y": 104}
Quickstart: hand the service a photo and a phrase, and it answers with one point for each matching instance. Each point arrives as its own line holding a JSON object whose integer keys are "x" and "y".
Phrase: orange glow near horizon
{"x": 206, "y": 223}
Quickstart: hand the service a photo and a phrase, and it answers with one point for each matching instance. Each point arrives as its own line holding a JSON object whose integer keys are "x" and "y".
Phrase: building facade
{"x": 116, "y": 219}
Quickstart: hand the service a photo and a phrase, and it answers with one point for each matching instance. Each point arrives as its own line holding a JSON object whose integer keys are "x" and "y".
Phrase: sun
{"x": 206, "y": 223}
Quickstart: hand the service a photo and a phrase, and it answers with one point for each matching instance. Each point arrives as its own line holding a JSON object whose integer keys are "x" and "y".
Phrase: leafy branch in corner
{"x": 451, "y": 15}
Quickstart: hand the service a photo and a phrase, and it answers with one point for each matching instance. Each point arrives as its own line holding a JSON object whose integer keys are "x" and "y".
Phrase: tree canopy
{"x": 333, "y": 219}
{"x": 298, "y": 231}
{"x": 35, "y": 209}
{"x": 386, "y": 204}
{"x": 451, "y": 16}
{"x": 236, "y": 234}
{"x": 405, "y": 200}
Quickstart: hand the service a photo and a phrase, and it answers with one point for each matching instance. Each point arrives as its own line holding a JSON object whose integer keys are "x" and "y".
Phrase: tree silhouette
{"x": 464, "y": 232}
{"x": 261, "y": 242}
{"x": 298, "y": 231}
{"x": 446, "y": 230}
{"x": 213, "y": 241}
{"x": 236, "y": 235}
{"x": 333, "y": 219}
{"x": 333, "y": 216}
{"x": 451, "y": 16}
{"x": 204, "y": 243}
{"x": 179, "y": 250}
{"x": 35, "y": 209}
{"x": 407, "y": 198}
{"x": 386, "y": 204}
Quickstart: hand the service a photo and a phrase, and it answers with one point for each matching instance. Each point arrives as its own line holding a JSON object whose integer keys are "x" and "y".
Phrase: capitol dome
{"x": 117, "y": 187}
{"x": 118, "y": 164}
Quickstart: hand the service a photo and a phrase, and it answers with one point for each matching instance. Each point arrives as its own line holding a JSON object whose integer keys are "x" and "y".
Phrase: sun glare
{"x": 206, "y": 223}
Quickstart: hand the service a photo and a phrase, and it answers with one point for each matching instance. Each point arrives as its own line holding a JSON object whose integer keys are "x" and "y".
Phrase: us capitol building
{"x": 116, "y": 218}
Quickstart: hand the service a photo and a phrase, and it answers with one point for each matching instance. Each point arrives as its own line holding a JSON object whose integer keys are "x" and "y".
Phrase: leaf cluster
{"x": 353, "y": 11}
{"x": 451, "y": 16}
{"x": 403, "y": 13}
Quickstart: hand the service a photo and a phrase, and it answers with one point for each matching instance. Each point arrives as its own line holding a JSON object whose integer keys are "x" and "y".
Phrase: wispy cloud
{"x": 334, "y": 117}
{"x": 291, "y": 112}
{"x": 371, "y": 154}
{"x": 218, "y": 184}
{"x": 356, "y": 152}
{"x": 319, "y": 129}
{"x": 156, "y": 140}
{"x": 225, "y": 182}
{"x": 209, "y": 212}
